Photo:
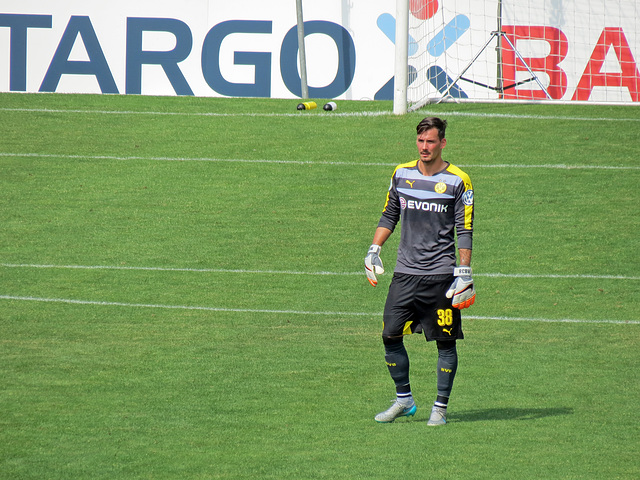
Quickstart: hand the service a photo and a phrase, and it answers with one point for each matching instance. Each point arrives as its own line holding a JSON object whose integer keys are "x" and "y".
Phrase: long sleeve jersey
{"x": 432, "y": 210}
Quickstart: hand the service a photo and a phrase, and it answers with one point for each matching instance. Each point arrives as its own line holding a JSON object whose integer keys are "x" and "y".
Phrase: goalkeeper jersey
{"x": 432, "y": 211}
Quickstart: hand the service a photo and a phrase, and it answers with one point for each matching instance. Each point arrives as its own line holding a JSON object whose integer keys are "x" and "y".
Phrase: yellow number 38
{"x": 445, "y": 317}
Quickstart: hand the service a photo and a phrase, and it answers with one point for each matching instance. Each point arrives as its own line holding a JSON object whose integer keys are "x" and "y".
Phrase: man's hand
{"x": 373, "y": 264}
{"x": 462, "y": 289}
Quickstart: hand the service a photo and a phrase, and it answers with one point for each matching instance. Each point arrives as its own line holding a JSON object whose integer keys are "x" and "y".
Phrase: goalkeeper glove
{"x": 373, "y": 264}
{"x": 462, "y": 289}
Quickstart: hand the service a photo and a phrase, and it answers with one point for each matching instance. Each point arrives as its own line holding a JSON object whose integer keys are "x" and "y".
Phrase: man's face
{"x": 430, "y": 146}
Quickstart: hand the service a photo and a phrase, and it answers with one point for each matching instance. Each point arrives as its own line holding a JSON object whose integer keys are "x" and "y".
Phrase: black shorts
{"x": 420, "y": 300}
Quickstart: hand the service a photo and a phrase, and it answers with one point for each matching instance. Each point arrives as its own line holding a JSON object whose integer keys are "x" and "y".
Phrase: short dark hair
{"x": 432, "y": 122}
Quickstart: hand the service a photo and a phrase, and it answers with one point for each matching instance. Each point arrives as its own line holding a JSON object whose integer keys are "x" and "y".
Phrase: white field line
{"x": 199, "y": 114}
{"x": 301, "y": 162}
{"x": 295, "y": 272}
{"x": 319, "y": 114}
{"x": 293, "y": 312}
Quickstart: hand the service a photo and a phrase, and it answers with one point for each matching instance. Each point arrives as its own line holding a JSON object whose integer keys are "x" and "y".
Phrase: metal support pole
{"x": 535, "y": 77}
{"x": 464, "y": 70}
{"x": 498, "y": 36}
{"x": 500, "y": 80}
{"x": 303, "y": 55}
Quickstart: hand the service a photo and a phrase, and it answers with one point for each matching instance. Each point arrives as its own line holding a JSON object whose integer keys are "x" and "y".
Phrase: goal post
{"x": 304, "y": 86}
{"x": 516, "y": 50}
{"x": 401, "y": 66}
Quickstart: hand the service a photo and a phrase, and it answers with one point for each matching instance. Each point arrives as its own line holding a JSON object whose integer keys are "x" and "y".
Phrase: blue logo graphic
{"x": 438, "y": 44}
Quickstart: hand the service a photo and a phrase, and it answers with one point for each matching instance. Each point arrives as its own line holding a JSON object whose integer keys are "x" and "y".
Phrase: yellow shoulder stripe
{"x": 468, "y": 209}
{"x": 465, "y": 178}
{"x": 405, "y": 165}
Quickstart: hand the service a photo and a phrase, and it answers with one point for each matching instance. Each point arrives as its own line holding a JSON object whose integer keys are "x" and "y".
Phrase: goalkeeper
{"x": 434, "y": 202}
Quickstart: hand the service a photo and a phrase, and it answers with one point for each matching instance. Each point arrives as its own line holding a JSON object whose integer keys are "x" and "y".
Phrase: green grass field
{"x": 182, "y": 292}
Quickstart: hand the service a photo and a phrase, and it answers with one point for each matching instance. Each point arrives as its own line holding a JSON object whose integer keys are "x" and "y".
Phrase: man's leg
{"x": 398, "y": 364}
{"x": 446, "y": 372}
{"x": 398, "y": 319}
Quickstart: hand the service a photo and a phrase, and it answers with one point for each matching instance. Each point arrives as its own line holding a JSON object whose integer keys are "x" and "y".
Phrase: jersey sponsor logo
{"x": 424, "y": 206}
{"x": 440, "y": 187}
{"x": 467, "y": 198}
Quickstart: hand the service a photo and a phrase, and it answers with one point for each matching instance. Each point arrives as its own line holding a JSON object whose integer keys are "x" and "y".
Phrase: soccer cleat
{"x": 396, "y": 410}
{"x": 438, "y": 416}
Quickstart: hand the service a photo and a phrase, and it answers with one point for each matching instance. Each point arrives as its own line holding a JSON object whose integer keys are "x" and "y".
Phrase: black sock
{"x": 398, "y": 364}
{"x": 404, "y": 395}
{"x": 447, "y": 367}
{"x": 441, "y": 401}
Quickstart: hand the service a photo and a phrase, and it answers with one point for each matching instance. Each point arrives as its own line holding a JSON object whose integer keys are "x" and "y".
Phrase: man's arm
{"x": 381, "y": 235}
{"x": 386, "y": 225}
{"x": 462, "y": 290}
{"x": 465, "y": 257}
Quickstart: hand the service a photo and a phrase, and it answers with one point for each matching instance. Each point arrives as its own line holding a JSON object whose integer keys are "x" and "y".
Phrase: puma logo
{"x": 448, "y": 331}
{"x": 410, "y": 183}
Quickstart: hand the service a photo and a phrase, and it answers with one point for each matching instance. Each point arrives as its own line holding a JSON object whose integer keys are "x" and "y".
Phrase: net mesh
{"x": 532, "y": 50}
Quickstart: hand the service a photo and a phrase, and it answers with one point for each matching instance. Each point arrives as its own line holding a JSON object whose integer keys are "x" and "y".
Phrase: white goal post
{"x": 302, "y": 55}
{"x": 516, "y": 50}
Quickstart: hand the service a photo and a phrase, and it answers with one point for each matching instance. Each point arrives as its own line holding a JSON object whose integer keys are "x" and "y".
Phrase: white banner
{"x": 249, "y": 48}
{"x": 587, "y": 50}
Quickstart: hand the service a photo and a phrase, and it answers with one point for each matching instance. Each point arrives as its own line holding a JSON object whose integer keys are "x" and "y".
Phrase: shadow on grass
{"x": 507, "y": 414}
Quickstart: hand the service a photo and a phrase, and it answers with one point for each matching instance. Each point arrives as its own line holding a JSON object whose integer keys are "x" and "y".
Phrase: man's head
{"x": 432, "y": 122}
{"x": 430, "y": 142}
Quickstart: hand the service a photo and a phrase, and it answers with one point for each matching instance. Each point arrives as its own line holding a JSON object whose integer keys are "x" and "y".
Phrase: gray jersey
{"x": 432, "y": 210}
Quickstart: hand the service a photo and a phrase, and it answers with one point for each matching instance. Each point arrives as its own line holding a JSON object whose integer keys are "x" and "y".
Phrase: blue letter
{"x": 261, "y": 61}
{"x": 136, "y": 57}
{"x": 97, "y": 64}
{"x": 346, "y": 59}
{"x": 18, "y": 25}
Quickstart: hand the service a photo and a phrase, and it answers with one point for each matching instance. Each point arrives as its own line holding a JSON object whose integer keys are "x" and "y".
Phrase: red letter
{"x": 592, "y": 76}
{"x": 510, "y": 64}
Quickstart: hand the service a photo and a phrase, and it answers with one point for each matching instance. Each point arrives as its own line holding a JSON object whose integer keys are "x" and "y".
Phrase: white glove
{"x": 373, "y": 264}
{"x": 462, "y": 289}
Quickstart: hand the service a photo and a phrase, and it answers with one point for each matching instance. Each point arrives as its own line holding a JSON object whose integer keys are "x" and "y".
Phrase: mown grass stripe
{"x": 290, "y": 312}
{"x": 301, "y": 162}
{"x": 297, "y": 272}
{"x": 320, "y": 114}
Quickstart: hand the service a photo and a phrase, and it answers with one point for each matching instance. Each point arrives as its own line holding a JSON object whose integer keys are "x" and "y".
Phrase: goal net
{"x": 526, "y": 50}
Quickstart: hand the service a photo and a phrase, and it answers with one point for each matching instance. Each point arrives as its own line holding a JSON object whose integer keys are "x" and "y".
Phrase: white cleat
{"x": 438, "y": 416}
{"x": 396, "y": 410}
